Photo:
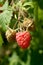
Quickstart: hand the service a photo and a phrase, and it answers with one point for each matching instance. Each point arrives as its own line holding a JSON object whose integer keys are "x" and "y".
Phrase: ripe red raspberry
{"x": 23, "y": 39}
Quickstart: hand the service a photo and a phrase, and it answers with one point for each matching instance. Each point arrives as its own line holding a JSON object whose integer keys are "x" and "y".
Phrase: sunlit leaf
{"x": 5, "y": 18}
{"x": 5, "y": 6}
{"x": 28, "y": 4}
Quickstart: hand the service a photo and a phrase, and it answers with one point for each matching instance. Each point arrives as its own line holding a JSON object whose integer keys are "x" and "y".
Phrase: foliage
{"x": 12, "y": 15}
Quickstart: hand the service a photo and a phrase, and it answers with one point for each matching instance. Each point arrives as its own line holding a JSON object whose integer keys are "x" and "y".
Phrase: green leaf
{"x": 40, "y": 14}
{"x": 5, "y": 6}
{"x": 1, "y": 1}
{"x": 15, "y": 60}
{"x": 28, "y": 4}
{"x": 6, "y": 15}
{"x": 2, "y": 23}
{"x": 5, "y": 18}
{"x": 1, "y": 40}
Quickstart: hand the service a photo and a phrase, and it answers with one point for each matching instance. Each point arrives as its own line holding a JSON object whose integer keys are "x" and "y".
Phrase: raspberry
{"x": 23, "y": 39}
{"x": 10, "y": 35}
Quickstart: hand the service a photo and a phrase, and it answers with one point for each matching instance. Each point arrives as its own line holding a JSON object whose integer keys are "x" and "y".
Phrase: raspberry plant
{"x": 16, "y": 17}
